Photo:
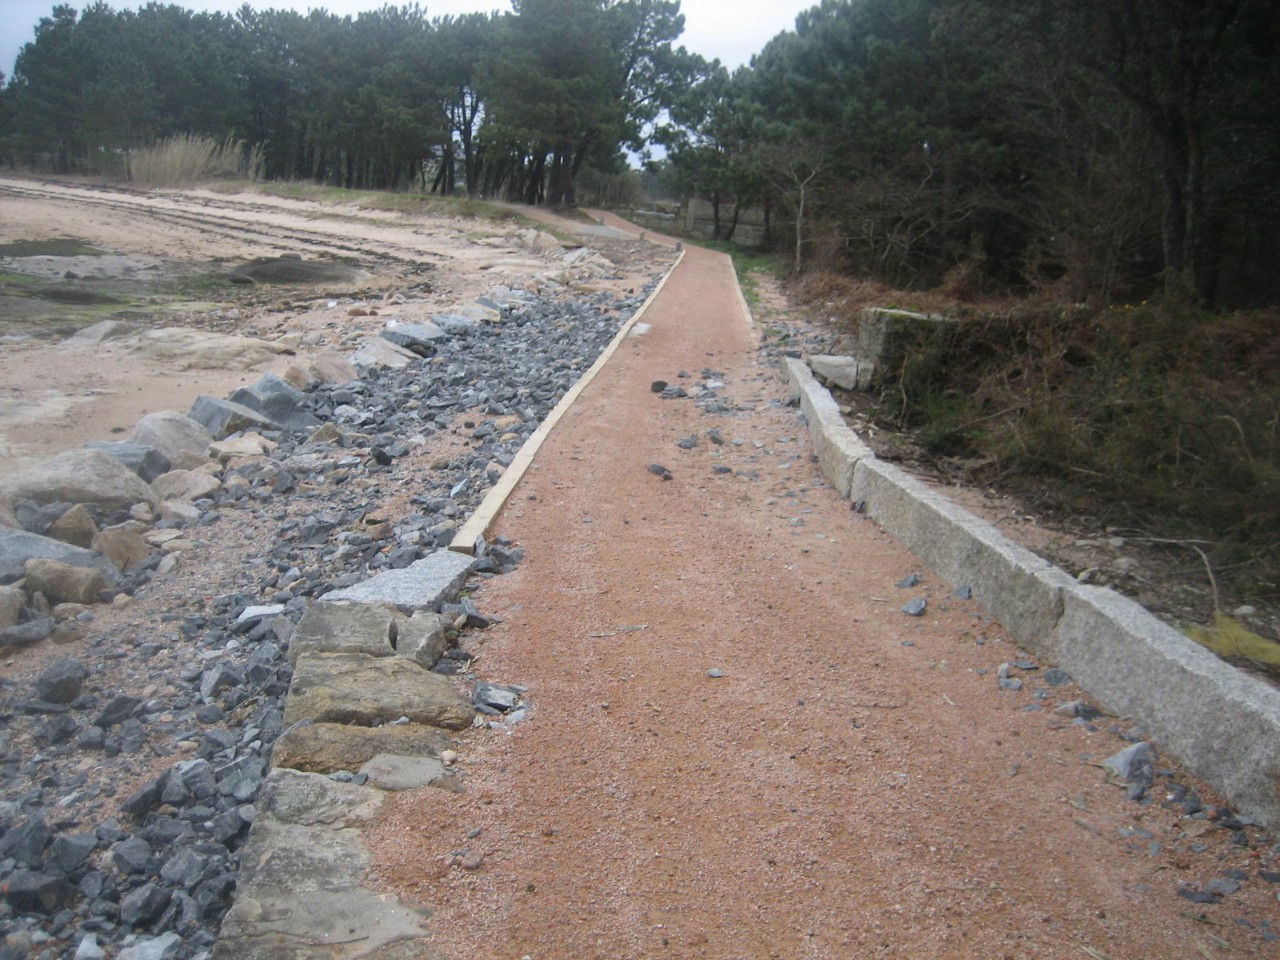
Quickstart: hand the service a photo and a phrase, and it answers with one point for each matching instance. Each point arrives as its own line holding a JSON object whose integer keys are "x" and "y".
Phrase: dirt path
{"x": 855, "y": 784}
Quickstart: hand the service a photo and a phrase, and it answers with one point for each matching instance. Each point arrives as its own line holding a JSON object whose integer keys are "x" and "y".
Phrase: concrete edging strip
{"x": 1221, "y": 722}
{"x": 466, "y": 539}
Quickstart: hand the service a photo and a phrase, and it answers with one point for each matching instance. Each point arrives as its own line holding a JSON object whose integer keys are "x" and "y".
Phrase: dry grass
{"x": 189, "y": 159}
{"x": 1159, "y": 412}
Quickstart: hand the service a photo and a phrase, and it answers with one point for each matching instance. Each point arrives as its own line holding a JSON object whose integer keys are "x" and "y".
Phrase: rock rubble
{"x": 130, "y": 773}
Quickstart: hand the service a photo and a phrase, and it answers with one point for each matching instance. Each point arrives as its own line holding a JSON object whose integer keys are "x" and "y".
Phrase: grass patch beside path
{"x": 748, "y": 264}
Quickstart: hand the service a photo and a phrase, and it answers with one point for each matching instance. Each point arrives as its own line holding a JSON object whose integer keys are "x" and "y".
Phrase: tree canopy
{"x": 507, "y": 105}
{"x": 1092, "y": 147}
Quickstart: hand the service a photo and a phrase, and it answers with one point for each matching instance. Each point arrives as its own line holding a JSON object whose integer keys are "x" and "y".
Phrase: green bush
{"x": 1158, "y": 408}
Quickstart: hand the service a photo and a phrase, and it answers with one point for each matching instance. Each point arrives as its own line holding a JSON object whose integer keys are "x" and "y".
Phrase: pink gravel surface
{"x": 854, "y": 784}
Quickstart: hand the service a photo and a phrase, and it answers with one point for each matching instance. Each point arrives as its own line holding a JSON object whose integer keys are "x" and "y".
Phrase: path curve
{"x": 854, "y": 783}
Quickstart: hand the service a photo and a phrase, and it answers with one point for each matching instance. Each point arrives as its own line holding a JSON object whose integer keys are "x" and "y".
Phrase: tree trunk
{"x": 733, "y": 224}
{"x": 534, "y": 191}
{"x": 799, "y": 226}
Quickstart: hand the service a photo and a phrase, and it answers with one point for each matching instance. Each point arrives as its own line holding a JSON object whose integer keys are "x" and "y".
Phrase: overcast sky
{"x": 730, "y": 30}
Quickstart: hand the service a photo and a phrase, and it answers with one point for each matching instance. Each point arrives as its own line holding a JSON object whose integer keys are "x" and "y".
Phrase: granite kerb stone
{"x": 1223, "y": 724}
{"x": 301, "y": 890}
{"x": 839, "y": 449}
{"x": 369, "y": 691}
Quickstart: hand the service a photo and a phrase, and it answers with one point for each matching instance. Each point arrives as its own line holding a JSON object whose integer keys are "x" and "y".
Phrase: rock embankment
{"x": 132, "y": 757}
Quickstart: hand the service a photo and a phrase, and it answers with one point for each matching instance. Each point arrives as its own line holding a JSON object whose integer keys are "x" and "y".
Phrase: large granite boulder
{"x": 11, "y": 604}
{"x": 18, "y": 546}
{"x": 64, "y": 583}
{"x": 186, "y": 485}
{"x": 76, "y": 526}
{"x": 124, "y": 547}
{"x": 146, "y": 461}
{"x": 79, "y": 476}
{"x": 377, "y": 352}
{"x": 323, "y": 368}
{"x": 179, "y": 438}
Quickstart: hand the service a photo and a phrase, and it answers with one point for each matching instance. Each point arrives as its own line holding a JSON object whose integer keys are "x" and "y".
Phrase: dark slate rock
{"x": 910, "y": 580}
{"x": 69, "y": 851}
{"x": 279, "y": 402}
{"x": 420, "y": 338}
{"x": 147, "y": 462}
{"x": 132, "y": 855}
{"x": 37, "y": 518}
{"x": 1197, "y": 896}
{"x": 1055, "y": 677}
{"x": 916, "y": 607}
{"x": 26, "y": 842}
{"x": 143, "y": 800}
{"x": 1132, "y": 764}
{"x": 224, "y": 417}
{"x": 34, "y": 892}
{"x": 143, "y": 905}
{"x": 118, "y": 709}
{"x": 25, "y": 634}
{"x": 62, "y": 682}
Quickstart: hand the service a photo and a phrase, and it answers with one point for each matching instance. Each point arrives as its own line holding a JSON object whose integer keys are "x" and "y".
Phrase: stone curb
{"x": 301, "y": 889}
{"x": 1223, "y": 724}
{"x": 468, "y": 538}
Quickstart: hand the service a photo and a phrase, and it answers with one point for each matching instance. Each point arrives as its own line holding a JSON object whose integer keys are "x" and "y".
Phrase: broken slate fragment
{"x": 658, "y": 470}
{"x": 916, "y": 607}
{"x": 1132, "y": 764}
{"x": 1197, "y": 896}
{"x": 493, "y": 698}
{"x": 909, "y": 581}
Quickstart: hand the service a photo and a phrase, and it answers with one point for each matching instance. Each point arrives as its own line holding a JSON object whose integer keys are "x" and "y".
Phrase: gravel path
{"x": 734, "y": 742}
{"x": 738, "y": 745}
